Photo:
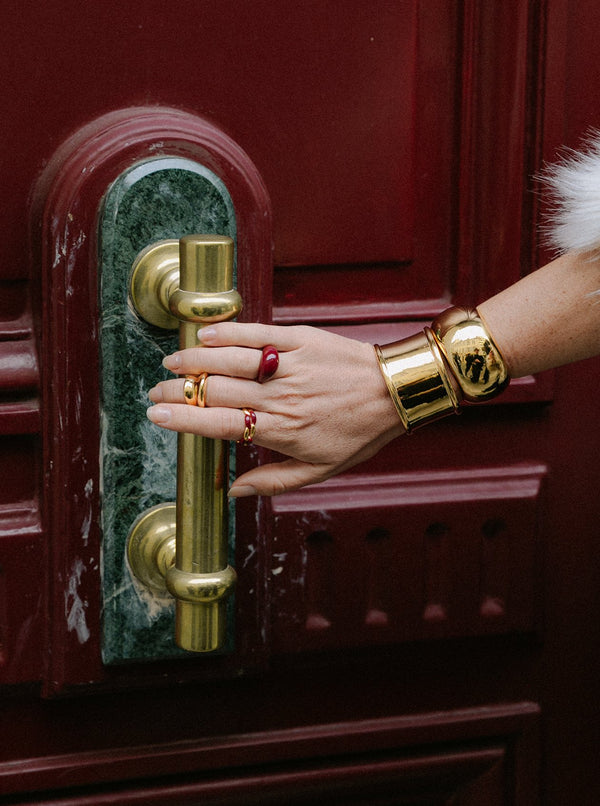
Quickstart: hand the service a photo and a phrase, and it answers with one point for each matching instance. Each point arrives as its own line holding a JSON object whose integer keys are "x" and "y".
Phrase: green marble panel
{"x": 156, "y": 199}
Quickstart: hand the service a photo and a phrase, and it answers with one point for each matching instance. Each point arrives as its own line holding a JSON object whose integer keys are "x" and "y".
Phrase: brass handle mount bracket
{"x": 151, "y": 551}
{"x": 182, "y": 547}
{"x": 155, "y": 293}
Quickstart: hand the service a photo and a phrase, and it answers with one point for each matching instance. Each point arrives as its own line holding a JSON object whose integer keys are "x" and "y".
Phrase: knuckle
{"x": 277, "y": 486}
{"x": 284, "y": 433}
{"x": 232, "y": 424}
{"x": 303, "y": 332}
{"x": 290, "y": 400}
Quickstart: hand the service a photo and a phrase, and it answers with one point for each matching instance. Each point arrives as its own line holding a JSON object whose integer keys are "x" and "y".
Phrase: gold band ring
{"x": 194, "y": 389}
{"x": 190, "y": 390}
{"x": 202, "y": 384}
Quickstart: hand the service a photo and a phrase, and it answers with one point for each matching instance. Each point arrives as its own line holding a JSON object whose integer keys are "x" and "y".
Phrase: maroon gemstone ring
{"x": 268, "y": 363}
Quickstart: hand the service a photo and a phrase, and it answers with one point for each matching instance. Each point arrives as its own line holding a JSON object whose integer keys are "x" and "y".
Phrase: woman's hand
{"x": 326, "y": 407}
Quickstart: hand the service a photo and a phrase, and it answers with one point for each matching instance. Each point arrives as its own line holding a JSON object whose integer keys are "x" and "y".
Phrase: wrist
{"x": 430, "y": 374}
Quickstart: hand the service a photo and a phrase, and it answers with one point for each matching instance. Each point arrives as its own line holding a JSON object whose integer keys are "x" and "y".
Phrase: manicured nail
{"x": 159, "y": 414}
{"x": 206, "y": 334}
{"x": 172, "y": 361}
{"x": 242, "y": 491}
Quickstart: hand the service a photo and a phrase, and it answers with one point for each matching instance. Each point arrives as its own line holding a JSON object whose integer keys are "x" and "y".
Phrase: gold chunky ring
{"x": 194, "y": 389}
{"x": 190, "y": 390}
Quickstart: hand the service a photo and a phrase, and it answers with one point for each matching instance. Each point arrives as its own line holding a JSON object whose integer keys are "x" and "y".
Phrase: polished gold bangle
{"x": 471, "y": 354}
{"x": 417, "y": 380}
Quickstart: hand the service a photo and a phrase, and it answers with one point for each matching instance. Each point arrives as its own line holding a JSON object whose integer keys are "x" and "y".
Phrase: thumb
{"x": 277, "y": 478}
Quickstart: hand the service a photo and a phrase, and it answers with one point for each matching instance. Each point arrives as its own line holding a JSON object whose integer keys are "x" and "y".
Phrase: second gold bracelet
{"x": 417, "y": 380}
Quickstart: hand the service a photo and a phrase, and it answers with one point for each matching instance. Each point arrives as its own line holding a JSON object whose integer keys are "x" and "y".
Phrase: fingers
{"x": 218, "y": 391}
{"x": 278, "y": 478}
{"x": 215, "y": 423}
{"x": 252, "y": 335}
{"x": 228, "y": 424}
{"x": 239, "y": 362}
{"x": 239, "y": 350}
{"x": 234, "y": 359}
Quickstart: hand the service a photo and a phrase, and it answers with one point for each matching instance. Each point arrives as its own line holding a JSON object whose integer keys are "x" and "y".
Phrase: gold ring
{"x": 202, "y": 383}
{"x": 190, "y": 390}
{"x": 194, "y": 389}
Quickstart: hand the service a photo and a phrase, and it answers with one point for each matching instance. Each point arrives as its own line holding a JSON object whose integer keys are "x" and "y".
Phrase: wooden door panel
{"x": 375, "y": 560}
{"x": 471, "y": 210}
{"x": 464, "y": 778}
{"x": 397, "y": 256}
{"x": 485, "y": 756}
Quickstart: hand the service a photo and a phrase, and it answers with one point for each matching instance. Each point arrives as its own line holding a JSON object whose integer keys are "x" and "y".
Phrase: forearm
{"x": 549, "y": 318}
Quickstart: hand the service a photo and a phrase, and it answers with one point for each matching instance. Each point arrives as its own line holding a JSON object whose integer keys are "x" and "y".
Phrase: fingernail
{"x": 172, "y": 361}
{"x": 158, "y": 414}
{"x": 206, "y": 334}
{"x": 242, "y": 491}
{"x": 155, "y": 394}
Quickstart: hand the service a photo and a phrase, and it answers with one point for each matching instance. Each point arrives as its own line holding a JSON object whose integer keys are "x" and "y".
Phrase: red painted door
{"x": 417, "y": 631}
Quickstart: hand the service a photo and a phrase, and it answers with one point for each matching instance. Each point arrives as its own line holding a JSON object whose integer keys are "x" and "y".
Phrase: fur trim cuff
{"x": 574, "y": 183}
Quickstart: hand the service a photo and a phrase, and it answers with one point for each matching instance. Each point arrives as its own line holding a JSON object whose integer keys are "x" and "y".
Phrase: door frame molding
{"x": 65, "y": 215}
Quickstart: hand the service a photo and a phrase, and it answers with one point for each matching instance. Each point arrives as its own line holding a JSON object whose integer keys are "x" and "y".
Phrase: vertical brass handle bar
{"x": 205, "y": 294}
{"x": 200, "y": 578}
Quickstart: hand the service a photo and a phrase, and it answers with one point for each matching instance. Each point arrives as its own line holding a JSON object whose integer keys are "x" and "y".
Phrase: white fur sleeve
{"x": 574, "y": 184}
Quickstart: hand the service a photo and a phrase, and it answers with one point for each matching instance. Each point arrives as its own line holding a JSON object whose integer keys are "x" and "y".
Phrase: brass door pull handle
{"x": 183, "y": 548}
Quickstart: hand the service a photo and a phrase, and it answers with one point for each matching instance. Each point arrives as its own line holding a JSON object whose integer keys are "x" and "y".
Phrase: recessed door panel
{"x": 379, "y": 560}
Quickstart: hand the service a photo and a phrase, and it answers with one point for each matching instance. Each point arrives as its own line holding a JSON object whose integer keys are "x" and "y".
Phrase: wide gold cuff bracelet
{"x": 417, "y": 380}
{"x": 428, "y": 375}
{"x": 471, "y": 354}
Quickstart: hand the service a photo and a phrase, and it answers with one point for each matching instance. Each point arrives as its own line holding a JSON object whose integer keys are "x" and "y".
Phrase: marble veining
{"x": 156, "y": 199}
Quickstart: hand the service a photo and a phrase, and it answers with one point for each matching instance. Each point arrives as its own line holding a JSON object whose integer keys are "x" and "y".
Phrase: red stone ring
{"x": 268, "y": 363}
